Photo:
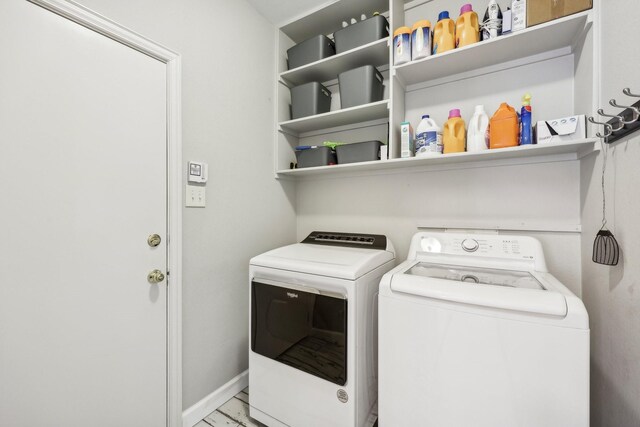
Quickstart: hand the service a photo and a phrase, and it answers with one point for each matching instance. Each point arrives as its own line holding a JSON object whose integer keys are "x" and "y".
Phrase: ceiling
{"x": 280, "y": 12}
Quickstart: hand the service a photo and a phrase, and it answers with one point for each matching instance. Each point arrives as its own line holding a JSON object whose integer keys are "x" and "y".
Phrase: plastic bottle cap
{"x": 401, "y": 30}
{"x": 466, "y": 8}
{"x": 425, "y": 116}
{"x": 526, "y": 100}
{"x": 421, "y": 24}
{"x": 454, "y": 113}
{"x": 479, "y": 108}
{"x": 443, "y": 15}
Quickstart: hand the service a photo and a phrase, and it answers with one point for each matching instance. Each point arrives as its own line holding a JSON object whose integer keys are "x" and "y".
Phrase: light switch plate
{"x": 195, "y": 196}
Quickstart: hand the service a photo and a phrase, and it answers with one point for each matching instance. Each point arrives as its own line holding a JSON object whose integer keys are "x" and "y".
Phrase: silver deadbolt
{"x": 156, "y": 276}
{"x": 154, "y": 240}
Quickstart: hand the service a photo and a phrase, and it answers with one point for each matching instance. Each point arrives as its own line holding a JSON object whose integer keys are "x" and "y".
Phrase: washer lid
{"x": 332, "y": 261}
{"x": 477, "y": 275}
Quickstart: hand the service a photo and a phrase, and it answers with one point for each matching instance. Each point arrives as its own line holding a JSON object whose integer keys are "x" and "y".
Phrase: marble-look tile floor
{"x": 234, "y": 413}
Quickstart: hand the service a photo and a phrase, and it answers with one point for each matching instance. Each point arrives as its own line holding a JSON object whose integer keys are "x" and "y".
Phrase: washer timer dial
{"x": 470, "y": 245}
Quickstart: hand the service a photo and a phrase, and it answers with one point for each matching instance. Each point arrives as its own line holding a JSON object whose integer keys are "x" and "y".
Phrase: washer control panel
{"x": 481, "y": 245}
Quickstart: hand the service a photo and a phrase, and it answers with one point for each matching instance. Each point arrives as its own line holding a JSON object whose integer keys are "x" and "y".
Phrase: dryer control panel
{"x": 352, "y": 240}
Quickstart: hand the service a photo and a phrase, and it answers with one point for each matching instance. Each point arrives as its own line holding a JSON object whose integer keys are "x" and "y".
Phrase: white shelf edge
{"x": 286, "y": 76}
{"x": 573, "y": 150}
{"x": 296, "y": 127}
{"x": 401, "y": 70}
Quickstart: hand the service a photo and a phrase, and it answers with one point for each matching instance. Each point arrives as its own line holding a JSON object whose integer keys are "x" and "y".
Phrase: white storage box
{"x": 561, "y": 130}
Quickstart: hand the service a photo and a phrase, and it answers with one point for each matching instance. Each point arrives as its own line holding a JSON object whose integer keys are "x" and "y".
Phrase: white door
{"x": 83, "y": 171}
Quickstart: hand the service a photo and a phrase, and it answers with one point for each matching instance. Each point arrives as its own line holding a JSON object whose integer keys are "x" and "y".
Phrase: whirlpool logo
{"x": 292, "y": 295}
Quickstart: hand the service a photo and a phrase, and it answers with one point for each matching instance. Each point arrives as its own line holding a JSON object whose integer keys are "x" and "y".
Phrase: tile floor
{"x": 234, "y": 413}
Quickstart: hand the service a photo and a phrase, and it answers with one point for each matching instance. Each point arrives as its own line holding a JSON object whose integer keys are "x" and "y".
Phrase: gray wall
{"x": 228, "y": 87}
{"x": 612, "y": 294}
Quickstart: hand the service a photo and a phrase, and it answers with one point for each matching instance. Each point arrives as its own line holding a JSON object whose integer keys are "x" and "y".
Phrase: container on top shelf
{"x": 492, "y": 24}
{"x": 467, "y": 27}
{"x": 361, "y": 33}
{"x": 444, "y": 34}
{"x": 421, "y": 40}
{"x": 401, "y": 46}
{"x": 503, "y": 127}
{"x": 428, "y": 138}
{"x": 361, "y": 85}
{"x": 454, "y": 134}
{"x": 310, "y": 50}
{"x": 477, "y": 133}
{"x": 309, "y": 99}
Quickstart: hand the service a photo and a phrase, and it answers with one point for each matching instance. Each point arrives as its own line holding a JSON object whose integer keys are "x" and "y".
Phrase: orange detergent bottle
{"x": 454, "y": 135}
{"x": 444, "y": 34}
{"x": 467, "y": 27}
{"x": 504, "y": 130}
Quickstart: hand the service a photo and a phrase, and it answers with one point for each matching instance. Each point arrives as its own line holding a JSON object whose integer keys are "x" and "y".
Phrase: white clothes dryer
{"x": 474, "y": 331}
{"x": 313, "y": 348}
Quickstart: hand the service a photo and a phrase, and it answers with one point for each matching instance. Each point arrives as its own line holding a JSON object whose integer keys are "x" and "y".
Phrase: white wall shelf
{"x": 572, "y": 150}
{"x": 375, "y": 53}
{"x": 553, "y": 35}
{"x": 346, "y": 116}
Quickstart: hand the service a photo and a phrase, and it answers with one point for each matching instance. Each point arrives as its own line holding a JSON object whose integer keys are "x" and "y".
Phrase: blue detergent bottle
{"x": 526, "y": 131}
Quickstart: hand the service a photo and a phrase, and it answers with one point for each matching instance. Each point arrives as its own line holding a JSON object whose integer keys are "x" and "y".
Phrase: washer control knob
{"x": 470, "y": 245}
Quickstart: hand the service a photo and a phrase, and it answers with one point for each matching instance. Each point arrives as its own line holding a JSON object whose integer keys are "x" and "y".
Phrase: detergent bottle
{"x": 477, "y": 135}
{"x": 444, "y": 34}
{"x": 454, "y": 135}
{"x": 467, "y": 27}
{"x": 401, "y": 46}
{"x": 428, "y": 137}
{"x": 421, "y": 40}
{"x": 526, "y": 136}
{"x": 503, "y": 127}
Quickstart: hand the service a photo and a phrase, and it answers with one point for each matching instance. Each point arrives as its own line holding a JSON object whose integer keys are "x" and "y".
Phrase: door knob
{"x": 154, "y": 240}
{"x": 155, "y": 276}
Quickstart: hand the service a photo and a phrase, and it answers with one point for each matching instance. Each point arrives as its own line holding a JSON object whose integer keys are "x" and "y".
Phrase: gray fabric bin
{"x": 309, "y": 99}
{"x": 320, "y": 156}
{"x": 359, "y": 86}
{"x": 358, "y": 152}
{"x": 361, "y": 33}
{"x": 310, "y": 50}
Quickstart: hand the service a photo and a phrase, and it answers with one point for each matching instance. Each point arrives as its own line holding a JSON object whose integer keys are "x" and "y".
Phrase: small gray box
{"x": 320, "y": 156}
{"x": 361, "y": 33}
{"x": 309, "y": 99}
{"x": 358, "y": 152}
{"x": 310, "y": 50}
{"x": 359, "y": 86}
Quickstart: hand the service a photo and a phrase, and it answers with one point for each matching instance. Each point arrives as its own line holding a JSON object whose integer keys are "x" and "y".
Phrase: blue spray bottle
{"x": 526, "y": 136}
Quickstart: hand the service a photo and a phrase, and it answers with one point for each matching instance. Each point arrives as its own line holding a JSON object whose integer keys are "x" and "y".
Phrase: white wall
{"x": 612, "y": 294}
{"x": 228, "y": 89}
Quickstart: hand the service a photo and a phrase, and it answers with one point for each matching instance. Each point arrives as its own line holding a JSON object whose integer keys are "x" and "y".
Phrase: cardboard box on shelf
{"x": 540, "y": 11}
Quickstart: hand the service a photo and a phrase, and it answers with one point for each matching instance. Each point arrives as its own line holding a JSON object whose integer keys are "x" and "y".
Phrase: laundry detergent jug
{"x": 454, "y": 135}
{"x": 477, "y": 135}
{"x": 421, "y": 40}
{"x": 504, "y": 129}
{"x": 467, "y": 27}
{"x": 444, "y": 34}
{"x": 428, "y": 137}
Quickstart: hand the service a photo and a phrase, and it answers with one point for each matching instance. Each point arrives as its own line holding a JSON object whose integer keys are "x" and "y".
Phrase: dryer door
{"x": 302, "y": 328}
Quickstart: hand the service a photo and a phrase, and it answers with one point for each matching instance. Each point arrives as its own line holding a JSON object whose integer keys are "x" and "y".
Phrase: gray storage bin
{"x": 359, "y": 86}
{"x": 361, "y": 33}
{"x": 320, "y": 156}
{"x": 309, "y": 99}
{"x": 310, "y": 50}
{"x": 358, "y": 152}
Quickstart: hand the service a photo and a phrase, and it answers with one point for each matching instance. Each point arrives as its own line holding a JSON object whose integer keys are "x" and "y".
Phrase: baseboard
{"x": 210, "y": 403}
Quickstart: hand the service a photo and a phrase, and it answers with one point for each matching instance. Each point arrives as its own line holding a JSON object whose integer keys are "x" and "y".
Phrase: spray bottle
{"x": 525, "y": 121}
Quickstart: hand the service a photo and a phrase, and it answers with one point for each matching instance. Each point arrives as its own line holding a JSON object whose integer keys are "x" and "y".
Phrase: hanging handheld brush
{"x": 605, "y": 246}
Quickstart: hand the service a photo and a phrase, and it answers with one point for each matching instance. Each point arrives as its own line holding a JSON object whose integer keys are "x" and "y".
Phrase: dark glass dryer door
{"x": 305, "y": 330}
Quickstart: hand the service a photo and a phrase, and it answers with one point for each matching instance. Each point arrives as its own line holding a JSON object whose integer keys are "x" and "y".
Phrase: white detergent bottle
{"x": 428, "y": 139}
{"x": 477, "y": 131}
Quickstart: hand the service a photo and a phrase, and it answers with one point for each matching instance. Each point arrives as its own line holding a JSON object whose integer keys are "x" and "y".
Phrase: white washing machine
{"x": 473, "y": 331}
{"x": 312, "y": 358}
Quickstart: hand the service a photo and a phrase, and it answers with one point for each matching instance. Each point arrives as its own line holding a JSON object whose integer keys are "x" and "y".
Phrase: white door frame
{"x": 98, "y": 23}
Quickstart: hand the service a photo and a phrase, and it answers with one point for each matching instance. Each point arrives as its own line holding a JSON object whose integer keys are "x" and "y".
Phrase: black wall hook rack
{"x": 628, "y": 128}
{"x": 621, "y": 125}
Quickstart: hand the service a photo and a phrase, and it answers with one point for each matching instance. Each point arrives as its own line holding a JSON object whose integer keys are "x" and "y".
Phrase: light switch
{"x": 195, "y": 196}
